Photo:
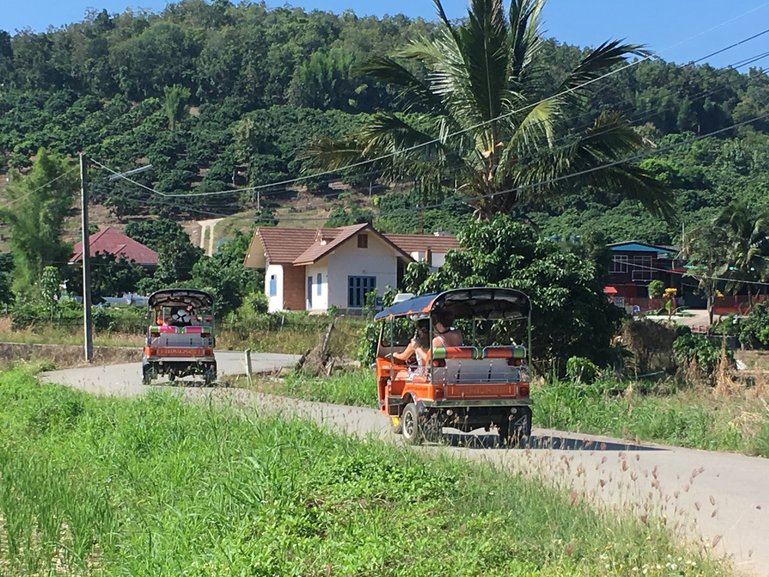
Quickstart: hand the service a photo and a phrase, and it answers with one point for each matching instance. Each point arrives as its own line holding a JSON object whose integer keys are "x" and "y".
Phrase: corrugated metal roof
{"x": 112, "y": 241}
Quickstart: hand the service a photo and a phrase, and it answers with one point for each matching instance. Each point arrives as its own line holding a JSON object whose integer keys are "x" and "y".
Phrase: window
{"x": 273, "y": 286}
{"x": 309, "y": 293}
{"x": 619, "y": 263}
{"x": 320, "y": 286}
{"x": 642, "y": 268}
{"x": 357, "y": 289}
{"x": 362, "y": 241}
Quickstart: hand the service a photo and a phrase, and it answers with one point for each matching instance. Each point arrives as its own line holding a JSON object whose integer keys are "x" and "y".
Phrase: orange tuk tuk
{"x": 180, "y": 337}
{"x": 480, "y": 383}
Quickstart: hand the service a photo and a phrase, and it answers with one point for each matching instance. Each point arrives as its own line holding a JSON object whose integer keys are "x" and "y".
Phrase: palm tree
{"x": 481, "y": 116}
{"x": 748, "y": 245}
{"x": 705, "y": 248}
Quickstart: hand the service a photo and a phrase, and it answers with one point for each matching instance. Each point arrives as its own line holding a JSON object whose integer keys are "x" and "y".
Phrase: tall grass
{"x": 355, "y": 388}
{"x": 692, "y": 416}
{"x": 291, "y": 333}
{"x": 688, "y": 416}
{"x": 95, "y": 486}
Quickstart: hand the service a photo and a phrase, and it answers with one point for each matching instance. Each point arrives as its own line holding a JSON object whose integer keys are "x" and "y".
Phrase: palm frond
{"x": 597, "y": 63}
{"x": 485, "y": 52}
{"x": 592, "y": 155}
{"x": 329, "y": 154}
{"x": 413, "y": 93}
{"x": 445, "y": 19}
{"x": 526, "y": 36}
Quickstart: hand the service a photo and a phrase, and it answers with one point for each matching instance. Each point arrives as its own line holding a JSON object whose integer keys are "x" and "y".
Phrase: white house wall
{"x": 378, "y": 260}
{"x": 437, "y": 258}
{"x": 319, "y": 301}
{"x": 276, "y": 301}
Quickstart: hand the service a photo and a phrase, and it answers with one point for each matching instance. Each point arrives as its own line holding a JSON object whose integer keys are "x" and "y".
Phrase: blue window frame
{"x": 320, "y": 286}
{"x": 273, "y": 286}
{"x": 357, "y": 289}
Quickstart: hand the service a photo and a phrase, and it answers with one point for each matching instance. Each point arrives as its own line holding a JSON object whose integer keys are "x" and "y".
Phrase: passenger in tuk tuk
{"x": 419, "y": 346}
{"x": 445, "y": 335}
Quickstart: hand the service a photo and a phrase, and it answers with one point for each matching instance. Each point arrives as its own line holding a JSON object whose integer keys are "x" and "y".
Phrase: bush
{"x": 656, "y": 289}
{"x": 581, "y": 370}
{"x": 705, "y": 354}
{"x": 255, "y": 303}
{"x": 754, "y": 329}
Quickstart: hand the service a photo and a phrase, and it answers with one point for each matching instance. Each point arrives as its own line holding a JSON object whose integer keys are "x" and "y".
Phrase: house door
{"x": 309, "y": 293}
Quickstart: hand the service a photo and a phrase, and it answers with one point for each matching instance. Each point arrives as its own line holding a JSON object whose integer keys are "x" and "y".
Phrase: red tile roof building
{"x": 112, "y": 241}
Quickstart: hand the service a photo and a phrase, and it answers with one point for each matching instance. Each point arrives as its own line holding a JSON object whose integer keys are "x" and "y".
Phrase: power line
{"x": 47, "y": 184}
{"x": 718, "y": 278}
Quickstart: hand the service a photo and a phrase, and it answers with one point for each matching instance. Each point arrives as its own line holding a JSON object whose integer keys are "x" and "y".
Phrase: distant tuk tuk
{"x": 481, "y": 384}
{"x": 180, "y": 336}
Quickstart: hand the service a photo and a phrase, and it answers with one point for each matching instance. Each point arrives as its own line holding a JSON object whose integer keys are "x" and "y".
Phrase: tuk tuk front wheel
{"x": 411, "y": 431}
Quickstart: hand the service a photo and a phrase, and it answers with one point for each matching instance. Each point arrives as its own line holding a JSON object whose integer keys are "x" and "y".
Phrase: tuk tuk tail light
{"x": 514, "y": 362}
{"x": 439, "y": 363}
{"x": 523, "y": 390}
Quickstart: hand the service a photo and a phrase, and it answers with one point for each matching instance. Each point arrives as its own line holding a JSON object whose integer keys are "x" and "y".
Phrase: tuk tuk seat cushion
{"x": 511, "y": 352}
{"x": 455, "y": 353}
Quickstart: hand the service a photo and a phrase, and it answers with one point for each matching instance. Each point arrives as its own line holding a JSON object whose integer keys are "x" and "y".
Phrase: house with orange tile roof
{"x": 112, "y": 241}
{"x": 315, "y": 269}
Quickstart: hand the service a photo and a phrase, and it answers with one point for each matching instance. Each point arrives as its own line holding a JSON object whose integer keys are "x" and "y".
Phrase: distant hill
{"x": 222, "y": 97}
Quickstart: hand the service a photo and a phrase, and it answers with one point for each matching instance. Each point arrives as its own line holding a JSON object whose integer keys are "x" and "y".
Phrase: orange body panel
{"x": 178, "y": 352}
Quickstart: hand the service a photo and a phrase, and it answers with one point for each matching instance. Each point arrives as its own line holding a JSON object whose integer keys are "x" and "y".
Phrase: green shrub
{"x": 656, "y": 289}
{"x": 754, "y": 329}
{"x": 581, "y": 370}
{"x": 255, "y": 303}
{"x": 702, "y": 351}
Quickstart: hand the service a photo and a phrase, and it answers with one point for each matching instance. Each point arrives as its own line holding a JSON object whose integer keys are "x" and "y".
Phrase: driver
{"x": 419, "y": 346}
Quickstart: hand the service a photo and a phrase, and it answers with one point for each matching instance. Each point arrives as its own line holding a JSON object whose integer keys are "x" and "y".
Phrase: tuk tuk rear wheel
{"x": 411, "y": 430}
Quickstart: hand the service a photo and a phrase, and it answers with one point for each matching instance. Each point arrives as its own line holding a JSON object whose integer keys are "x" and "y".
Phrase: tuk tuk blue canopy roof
{"x": 480, "y": 302}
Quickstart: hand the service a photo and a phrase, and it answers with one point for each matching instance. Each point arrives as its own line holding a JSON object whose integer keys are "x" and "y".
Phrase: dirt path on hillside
{"x": 717, "y": 500}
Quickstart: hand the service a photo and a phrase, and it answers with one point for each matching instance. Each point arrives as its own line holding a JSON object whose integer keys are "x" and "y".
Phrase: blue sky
{"x": 677, "y": 30}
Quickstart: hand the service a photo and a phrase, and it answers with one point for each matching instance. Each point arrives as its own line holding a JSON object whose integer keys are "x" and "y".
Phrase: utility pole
{"x": 87, "y": 326}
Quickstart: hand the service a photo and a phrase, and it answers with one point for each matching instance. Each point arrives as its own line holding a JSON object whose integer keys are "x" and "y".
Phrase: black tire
{"x": 432, "y": 428}
{"x": 209, "y": 377}
{"x": 511, "y": 432}
{"x": 147, "y": 374}
{"x": 411, "y": 430}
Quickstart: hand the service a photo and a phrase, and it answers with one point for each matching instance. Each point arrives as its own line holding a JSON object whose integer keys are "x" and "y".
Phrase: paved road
{"x": 719, "y": 500}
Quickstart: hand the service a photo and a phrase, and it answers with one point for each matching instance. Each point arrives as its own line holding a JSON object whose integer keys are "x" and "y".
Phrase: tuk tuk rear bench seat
{"x": 504, "y": 363}
{"x": 170, "y": 336}
{"x": 455, "y": 365}
{"x": 466, "y": 365}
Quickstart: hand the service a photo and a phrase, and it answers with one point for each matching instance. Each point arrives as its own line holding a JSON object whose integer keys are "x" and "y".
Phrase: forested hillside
{"x": 221, "y": 97}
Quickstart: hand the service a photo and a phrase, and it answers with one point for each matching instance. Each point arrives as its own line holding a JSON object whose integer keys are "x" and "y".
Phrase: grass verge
{"x": 700, "y": 417}
{"x": 96, "y": 486}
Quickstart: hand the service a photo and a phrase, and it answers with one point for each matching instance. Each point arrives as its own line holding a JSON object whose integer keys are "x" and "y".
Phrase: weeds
{"x": 157, "y": 487}
{"x": 356, "y": 388}
{"x": 726, "y": 417}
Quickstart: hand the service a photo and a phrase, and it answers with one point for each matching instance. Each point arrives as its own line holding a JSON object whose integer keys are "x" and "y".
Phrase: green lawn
{"x": 98, "y": 486}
